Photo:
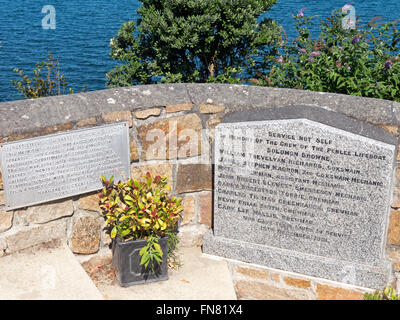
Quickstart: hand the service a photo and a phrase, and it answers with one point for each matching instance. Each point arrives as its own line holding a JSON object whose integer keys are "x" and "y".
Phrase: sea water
{"x": 81, "y": 31}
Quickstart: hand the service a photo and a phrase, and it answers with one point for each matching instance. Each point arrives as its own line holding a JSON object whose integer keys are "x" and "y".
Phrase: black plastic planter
{"x": 126, "y": 262}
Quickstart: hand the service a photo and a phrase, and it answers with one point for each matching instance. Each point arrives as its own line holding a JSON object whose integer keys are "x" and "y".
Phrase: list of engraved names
{"x": 297, "y": 185}
{"x": 64, "y": 164}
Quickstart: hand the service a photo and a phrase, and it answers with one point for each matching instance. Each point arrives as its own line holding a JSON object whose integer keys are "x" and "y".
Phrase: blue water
{"x": 84, "y": 28}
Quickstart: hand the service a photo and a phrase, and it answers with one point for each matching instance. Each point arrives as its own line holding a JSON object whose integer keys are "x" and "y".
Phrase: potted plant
{"x": 141, "y": 217}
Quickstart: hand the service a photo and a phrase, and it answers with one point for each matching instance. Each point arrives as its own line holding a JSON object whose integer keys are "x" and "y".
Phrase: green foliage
{"x": 173, "y": 241}
{"x": 141, "y": 210}
{"x": 151, "y": 253}
{"x": 51, "y": 83}
{"x": 192, "y": 41}
{"x": 363, "y": 61}
{"x": 230, "y": 75}
{"x": 387, "y": 294}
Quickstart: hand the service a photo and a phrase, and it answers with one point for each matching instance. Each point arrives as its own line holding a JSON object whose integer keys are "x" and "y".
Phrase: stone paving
{"x": 51, "y": 272}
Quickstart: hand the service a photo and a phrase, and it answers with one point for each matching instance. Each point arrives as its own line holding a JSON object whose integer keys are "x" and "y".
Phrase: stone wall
{"x": 256, "y": 282}
{"x": 173, "y": 110}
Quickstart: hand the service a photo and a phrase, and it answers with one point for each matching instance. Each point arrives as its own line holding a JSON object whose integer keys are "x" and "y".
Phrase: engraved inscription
{"x": 302, "y": 186}
{"x": 56, "y": 166}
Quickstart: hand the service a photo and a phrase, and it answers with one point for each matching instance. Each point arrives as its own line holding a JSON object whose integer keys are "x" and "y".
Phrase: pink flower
{"x": 355, "y": 40}
{"x": 310, "y": 59}
{"x": 315, "y": 53}
{"x": 388, "y": 65}
{"x": 280, "y": 60}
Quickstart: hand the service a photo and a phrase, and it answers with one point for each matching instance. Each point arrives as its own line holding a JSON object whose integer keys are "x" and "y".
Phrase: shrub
{"x": 141, "y": 210}
{"x": 191, "y": 41}
{"x": 387, "y": 294}
{"x": 52, "y": 83}
{"x": 363, "y": 61}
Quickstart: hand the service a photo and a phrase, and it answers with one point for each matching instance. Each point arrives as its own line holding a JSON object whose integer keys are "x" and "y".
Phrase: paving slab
{"x": 45, "y": 272}
{"x": 198, "y": 278}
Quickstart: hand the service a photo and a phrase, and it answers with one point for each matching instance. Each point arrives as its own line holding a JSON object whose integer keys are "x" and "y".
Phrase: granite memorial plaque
{"x": 60, "y": 165}
{"x": 307, "y": 191}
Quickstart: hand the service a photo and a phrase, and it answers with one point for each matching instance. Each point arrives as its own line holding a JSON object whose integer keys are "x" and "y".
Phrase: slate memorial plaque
{"x": 60, "y": 165}
{"x": 306, "y": 190}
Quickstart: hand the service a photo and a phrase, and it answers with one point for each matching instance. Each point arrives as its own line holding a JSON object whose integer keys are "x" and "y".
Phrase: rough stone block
{"x": 21, "y": 217}
{"x": 27, "y": 237}
{"x": 90, "y": 203}
{"x": 397, "y": 176}
{"x": 138, "y": 171}
{"x": 176, "y": 137}
{"x": 265, "y": 291}
{"x": 299, "y": 283}
{"x": 192, "y": 235}
{"x": 48, "y": 212}
{"x": 87, "y": 122}
{"x": 394, "y": 228}
{"x": 205, "y": 208}
{"x": 394, "y": 255}
{"x": 276, "y": 277}
{"x": 178, "y": 107}
{"x": 6, "y": 218}
{"x": 118, "y": 116}
{"x": 396, "y": 199}
{"x": 85, "y": 237}
{"x": 209, "y": 108}
{"x": 144, "y": 114}
{"x": 133, "y": 151}
{"x": 253, "y": 272}
{"x": 188, "y": 209}
{"x": 325, "y": 292}
{"x": 193, "y": 177}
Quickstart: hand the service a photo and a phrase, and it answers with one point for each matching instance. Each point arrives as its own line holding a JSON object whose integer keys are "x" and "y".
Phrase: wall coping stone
{"x": 30, "y": 115}
{"x": 329, "y": 118}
